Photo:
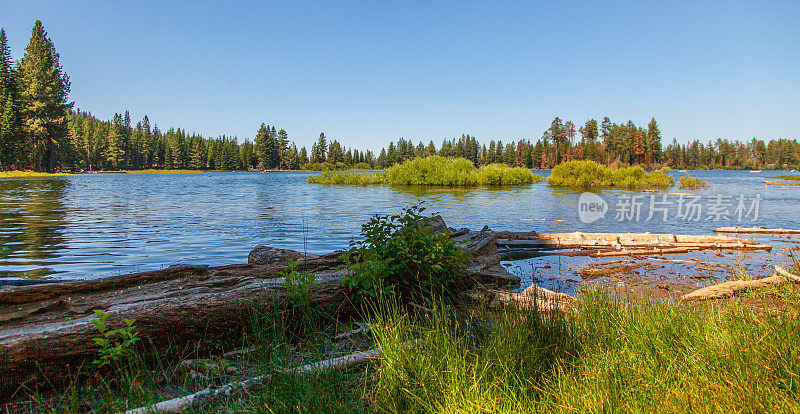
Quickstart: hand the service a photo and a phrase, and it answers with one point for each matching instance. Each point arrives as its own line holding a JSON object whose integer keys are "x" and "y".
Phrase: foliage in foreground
{"x": 688, "y": 182}
{"x": 587, "y": 174}
{"x": 434, "y": 170}
{"x": 401, "y": 256}
{"x": 609, "y": 356}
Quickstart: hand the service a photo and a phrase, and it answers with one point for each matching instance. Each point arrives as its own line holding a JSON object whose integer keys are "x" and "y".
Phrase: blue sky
{"x": 367, "y": 72}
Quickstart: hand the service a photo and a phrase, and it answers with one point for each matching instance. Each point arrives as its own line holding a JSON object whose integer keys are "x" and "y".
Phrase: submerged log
{"x": 579, "y": 240}
{"x": 754, "y": 230}
{"x": 593, "y": 271}
{"x": 729, "y": 289}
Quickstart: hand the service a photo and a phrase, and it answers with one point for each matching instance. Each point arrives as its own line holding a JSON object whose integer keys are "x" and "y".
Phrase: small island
{"x": 433, "y": 170}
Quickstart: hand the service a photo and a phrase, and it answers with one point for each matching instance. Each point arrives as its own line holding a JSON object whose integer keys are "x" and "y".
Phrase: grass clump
{"x": 348, "y": 178}
{"x": 26, "y": 174}
{"x": 611, "y": 355}
{"x": 585, "y": 174}
{"x": 787, "y": 177}
{"x": 688, "y": 182}
{"x": 435, "y": 171}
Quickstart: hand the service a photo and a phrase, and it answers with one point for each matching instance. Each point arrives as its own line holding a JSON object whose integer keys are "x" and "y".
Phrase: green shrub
{"x": 115, "y": 345}
{"x": 362, "y": 166}
{"x": 298, "y": 285}
{"x": 401, "y": 256}
{"x": 688, "y": 182}
{"x": 434, "y": 170}
{"x": 584, "y": 174}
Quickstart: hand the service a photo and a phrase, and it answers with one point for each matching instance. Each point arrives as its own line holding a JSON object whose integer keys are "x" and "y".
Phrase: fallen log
{"x": 645, "y": 252}
{"x": 729, "y": 289}
{"x": 579, "y": 240}
{"x": 45, "y": 329}
{"x": 754, "y": 230}
{"x": 534, "y": 298}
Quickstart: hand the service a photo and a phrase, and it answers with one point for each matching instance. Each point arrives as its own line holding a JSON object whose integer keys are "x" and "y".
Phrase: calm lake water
{"x": 97, "y": 225}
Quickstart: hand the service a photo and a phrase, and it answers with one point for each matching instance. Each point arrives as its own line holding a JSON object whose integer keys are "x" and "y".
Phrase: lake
{"x": 96, "y": 225}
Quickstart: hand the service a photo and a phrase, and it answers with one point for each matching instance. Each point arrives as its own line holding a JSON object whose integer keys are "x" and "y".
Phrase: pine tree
{"x": 9, "y": 119}
{"x": 319, "y": 149}
{"x": 303, "y": 157}
{"x": 283, "y": 146}
{"x": 263, "y": 146}
{"x": 43, "y": 89}
{"x": 654, "y": 140}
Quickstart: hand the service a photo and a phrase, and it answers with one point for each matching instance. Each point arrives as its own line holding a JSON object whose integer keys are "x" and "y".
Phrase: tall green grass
{"x": 586, "y": 174}
{"x": 608, "y": 356}
{"x": 434, "y": 171}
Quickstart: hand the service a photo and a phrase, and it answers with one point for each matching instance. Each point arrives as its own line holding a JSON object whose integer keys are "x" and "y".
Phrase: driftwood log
{"x": 46, "y": 330}
{"x": 729, "y": 289}
{"x": 754, "y": 230}
{"x": 618, "y": 241}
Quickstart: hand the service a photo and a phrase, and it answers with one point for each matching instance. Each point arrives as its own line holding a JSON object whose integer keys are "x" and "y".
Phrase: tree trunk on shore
{"x": 46, "y": 328}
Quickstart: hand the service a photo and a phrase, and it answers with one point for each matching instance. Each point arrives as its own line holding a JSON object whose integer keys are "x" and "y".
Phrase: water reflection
{"x": 97, "y": 225}
{"x": 32, "y": 226}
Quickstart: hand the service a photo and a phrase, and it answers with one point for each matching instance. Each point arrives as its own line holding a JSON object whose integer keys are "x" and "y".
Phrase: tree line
{"x": 40, "y": 131}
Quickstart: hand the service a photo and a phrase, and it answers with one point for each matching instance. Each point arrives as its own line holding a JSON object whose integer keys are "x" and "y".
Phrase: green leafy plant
{"x": 115, "y": 345}
{"x": 298, "y": 285}
{"x": 401, "y": 256}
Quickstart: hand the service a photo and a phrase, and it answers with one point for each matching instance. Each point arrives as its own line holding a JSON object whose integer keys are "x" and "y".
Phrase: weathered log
{"x": 45, "y": 329}
{"x": 729, "y": 289}
{"x": 645, "y": 252}
{"x": 533, "y": 297}
{"x": 579, "y": 240}
{"x": 754, "y": 230}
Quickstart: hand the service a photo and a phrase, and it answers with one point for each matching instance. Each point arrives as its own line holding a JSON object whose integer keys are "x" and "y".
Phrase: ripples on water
{"x": 96, "y": 225}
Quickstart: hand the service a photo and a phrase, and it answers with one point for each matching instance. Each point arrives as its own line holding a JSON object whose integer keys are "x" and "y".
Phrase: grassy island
{"x": 588, "y": 174}
{"x": 688, "y": 182}
{"x": 433, "y": 171}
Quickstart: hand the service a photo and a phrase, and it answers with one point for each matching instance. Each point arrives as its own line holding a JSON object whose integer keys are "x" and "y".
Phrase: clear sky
{"x": 366, "y": 72}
